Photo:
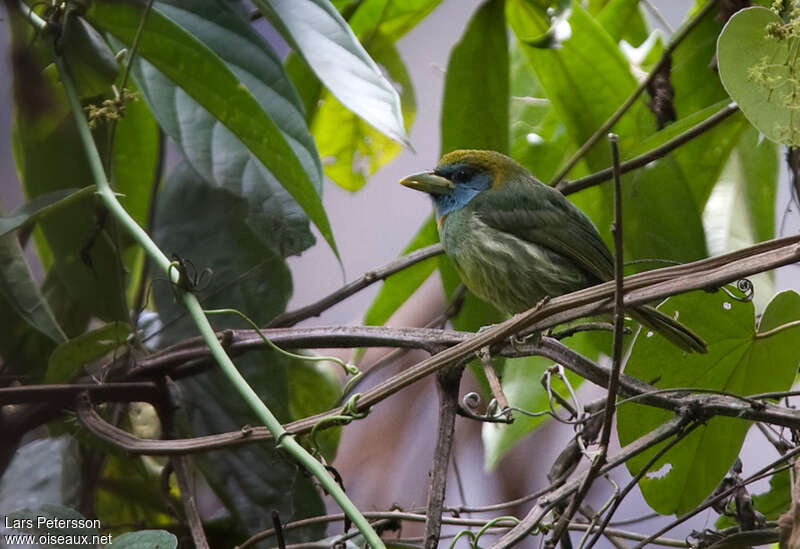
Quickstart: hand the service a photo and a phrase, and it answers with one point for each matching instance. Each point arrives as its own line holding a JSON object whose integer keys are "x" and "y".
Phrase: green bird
{"x": 515, "y": 241}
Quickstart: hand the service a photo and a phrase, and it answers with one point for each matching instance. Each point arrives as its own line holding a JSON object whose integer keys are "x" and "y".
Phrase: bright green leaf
{"x": 70, "y": 358}
{"x": 320, "y": 35}
{"x": 757, "y": 70}
{"x": 351, "y": 149}
{"x": 623, "y": 20}
{"x": 225, "y": 93}
{"x": 476, "y": 88}
{"x": 759, "y": 165}
{"x": 399, "y": 287}
{"x": 390, "y": 18}
{"x": 738, "y": 361}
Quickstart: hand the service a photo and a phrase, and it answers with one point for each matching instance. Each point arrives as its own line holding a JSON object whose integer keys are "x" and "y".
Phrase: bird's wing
{"x": 541, "y": 215}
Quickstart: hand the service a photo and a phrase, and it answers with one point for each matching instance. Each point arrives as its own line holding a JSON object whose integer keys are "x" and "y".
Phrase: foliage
{"x": 84, "y": 303}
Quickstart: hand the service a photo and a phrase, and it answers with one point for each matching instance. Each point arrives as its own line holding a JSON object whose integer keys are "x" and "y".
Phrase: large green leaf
{"x": 399, "y": 287}
{"x": 42, "y": 471}
{"x": 50, "y": 158}
{"x": 623, "y": 20}
{"x": 249, "y": 276}
{"x": 758, "y": 72}
{"x": 322, "y": 37}
{"x": 175, "y": 42}
{"x": 390, "y": 18}
{"x": 134, "y": 159}
{"x": 19, "y": 291}
{"x": 351, "y": 149}
{"x": 759, "y": 164}
{"x": 741, "y": 359}
{"x": 70, "y": 358}
{"x": 476, "y": 88}
{"x": 39, "y": 207}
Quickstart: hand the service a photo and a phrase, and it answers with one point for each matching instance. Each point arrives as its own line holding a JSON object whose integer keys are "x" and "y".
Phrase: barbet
{"x": 515, "y": 241}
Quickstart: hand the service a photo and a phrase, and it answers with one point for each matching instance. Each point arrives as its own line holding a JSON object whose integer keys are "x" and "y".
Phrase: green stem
{"x": 196, "y": 312}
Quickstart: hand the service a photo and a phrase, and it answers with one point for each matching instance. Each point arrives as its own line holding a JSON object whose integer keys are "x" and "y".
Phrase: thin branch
{"x": 546, "y": 503}
{"x": 761, "y": 473}
{"x": 494, "y": 381}
{"x": 602, "y": 130}
{"x": 315, "y": 309}
{"x": 569, "y": 187}
{"x": 616, "y": 363}
{"x": 447, "y": 385}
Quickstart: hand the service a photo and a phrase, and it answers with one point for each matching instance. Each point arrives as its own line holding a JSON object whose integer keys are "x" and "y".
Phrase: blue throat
{"x": 461, "y": 195}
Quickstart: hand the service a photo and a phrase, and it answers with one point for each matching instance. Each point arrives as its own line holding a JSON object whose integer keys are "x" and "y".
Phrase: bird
{"x": 516, "y": 241}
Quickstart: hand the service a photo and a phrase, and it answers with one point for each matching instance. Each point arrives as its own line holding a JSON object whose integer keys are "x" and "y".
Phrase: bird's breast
{"x": 511, "y": 273}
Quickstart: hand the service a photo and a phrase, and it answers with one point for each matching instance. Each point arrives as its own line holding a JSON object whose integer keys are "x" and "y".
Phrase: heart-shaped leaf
{"x": 756, "y": 68}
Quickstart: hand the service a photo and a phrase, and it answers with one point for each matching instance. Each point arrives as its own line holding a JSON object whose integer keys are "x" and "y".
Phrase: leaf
{"x": 740, "y": 360}
{"x": 145, "y": 539}
{"x": 89, "y": 59}
{"x": 539, "y": 140}
{"x": 135, "y": 159}
{"x": 545, "y": 21}
{"x": 390, "y": 18}
{"x": 70, "y": 358}
{"x": 313, "y": 388}
{"x": 225, "y": 92}
{"x": 50, "y": 158}
{"x": 756, "y": 69}
{"x": 129, "y": 492}
{"x": 19, "y": 291}
{"x": 319, "y": 34}
{"x": 476, "y": 88}
{"x": 39, "y": 207}
{"x": 248, "y": 276}
{"x": 759, "y": 165}
{"x": 351, "y": 150}
{"x": 43, "y": 471}
{"x": 522, "y": 386}
{"x": 623, "y": 20}
{"x": 399, "y": 287}
{"x": 771, "y": 503}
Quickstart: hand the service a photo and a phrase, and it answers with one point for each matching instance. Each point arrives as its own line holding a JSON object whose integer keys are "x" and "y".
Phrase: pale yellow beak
{"x": 428, "y": 182}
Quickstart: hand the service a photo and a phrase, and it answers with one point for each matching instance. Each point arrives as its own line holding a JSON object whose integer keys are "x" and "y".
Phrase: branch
{"x": 616, "y": 363}
{"x": 569, "y": 187}
{"x": 676, "y": 40}
{"x": 447, "y": 385}
{"x": 293, "y": 317}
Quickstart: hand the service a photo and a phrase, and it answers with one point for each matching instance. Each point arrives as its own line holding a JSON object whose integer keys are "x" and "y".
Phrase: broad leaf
{"x": 70, "y": 358}
{"x": 42, "y": 471}
{"x": 741, "y": 359}
{"x": 476, "y": 89}
{"x": 390, "y": 18}
{"x": 399, "y": 287}
{"x": 757, "y": 70}
{"x": 40, "y": 206}
{"x": 20, "y": 292}
{"x": 351, "y": 149}
{"x": 322, "y": 37}
{"x": 249, "y": 276}
{"x": 168, "y": 42}
{"x": 91, "y": 63}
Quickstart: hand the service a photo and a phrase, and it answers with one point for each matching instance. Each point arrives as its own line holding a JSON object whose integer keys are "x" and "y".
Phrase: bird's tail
{"x": 670, "y": 328}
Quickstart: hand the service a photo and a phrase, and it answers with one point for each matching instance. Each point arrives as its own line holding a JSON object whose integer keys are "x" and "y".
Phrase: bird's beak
{"x": 428, "y": 182}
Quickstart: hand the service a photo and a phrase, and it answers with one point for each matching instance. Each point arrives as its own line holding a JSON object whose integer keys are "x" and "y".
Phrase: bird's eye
{"x": 461, "y": 176}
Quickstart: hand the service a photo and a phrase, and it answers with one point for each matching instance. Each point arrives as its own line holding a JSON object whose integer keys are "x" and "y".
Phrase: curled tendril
{"x": 470, "y": 404}
{"x": 745, "y": 286}
{"x": 189, "y": 280}
{"x": 349, "y": 413}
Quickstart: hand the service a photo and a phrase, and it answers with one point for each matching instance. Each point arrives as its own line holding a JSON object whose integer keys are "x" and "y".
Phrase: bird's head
{"x": 462, "y": 175}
